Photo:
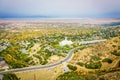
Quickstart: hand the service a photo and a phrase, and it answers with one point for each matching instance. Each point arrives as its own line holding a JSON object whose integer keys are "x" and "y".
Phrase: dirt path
{"x": 34, "y": 50}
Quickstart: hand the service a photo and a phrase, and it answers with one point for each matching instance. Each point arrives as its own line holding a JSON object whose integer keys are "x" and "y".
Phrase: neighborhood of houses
{"x": 3, "y": 64}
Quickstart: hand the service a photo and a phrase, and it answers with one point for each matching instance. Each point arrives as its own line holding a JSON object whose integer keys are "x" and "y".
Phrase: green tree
{"x": 116, "y": 53}
{"x": 107, "y": 60}
{"x": 10, "y": 76}
{"x": 80, "y": 63}
{"x": 72, "y": 67}
{"x": 93, "y": 65}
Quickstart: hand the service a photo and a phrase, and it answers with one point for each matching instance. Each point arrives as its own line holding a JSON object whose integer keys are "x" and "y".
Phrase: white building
{"x": 65, "y": 42}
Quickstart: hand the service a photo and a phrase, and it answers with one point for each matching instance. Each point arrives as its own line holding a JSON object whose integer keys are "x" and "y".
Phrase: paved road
{"x": 69, "y": 56}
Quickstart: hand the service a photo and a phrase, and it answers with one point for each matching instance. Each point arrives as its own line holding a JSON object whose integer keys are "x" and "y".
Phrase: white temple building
{"x": 65, "y": 42}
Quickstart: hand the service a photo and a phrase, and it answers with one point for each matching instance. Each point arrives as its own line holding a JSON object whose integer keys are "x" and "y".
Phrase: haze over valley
{"x": 59, "y": 39}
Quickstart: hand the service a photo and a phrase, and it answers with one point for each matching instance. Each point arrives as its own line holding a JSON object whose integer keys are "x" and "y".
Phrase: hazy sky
{"x": 60, "y": 8}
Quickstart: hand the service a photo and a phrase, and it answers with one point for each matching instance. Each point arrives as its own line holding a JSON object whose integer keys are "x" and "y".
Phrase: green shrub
{"x": 113, "y": 46}
{"x": 32, "y": 63}
{"x": 107, "y": 60}
{"x": 10, "y": 76}
{"x": 115, "y": 53}
{"x": 99, "y": 54}
{"x": 28, "y": 59}
{"x": 80, "y": 63}
{"x": 59, "y": 54}
{"x": 101, "y": 78}
{"x": 44, "y": 62}
{"x": 72, "y": 67}
{"x": 18, "y": 64}
{"x": 95, "y": 58}
{"x": 93, "y": 65}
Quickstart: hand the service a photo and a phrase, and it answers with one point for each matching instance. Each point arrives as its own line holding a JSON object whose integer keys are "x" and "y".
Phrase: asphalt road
{"x": 69, "y": 56}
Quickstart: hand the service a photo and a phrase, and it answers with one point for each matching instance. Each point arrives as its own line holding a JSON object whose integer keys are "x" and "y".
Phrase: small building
{"x": 1, "y": 76}
{"x": 24, "y": 50}
{"x": 2, "y": 48}
{"x": 3, "y": 64}
{"x": 65, "y": 42}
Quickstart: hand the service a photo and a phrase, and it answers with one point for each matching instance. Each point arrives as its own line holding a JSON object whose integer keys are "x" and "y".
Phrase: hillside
{"x": 109, "y": 49}
{"x": 98, "y": 61}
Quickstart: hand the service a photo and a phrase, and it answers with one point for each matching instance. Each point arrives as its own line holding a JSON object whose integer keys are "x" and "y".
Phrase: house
{"x": 2, "y": 48}
{"x": 3, "y": 64}
{"x": 24, "y": 50}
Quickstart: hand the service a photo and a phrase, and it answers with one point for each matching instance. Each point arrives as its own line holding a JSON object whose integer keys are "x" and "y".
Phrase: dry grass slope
{"x": 102, "y": 50}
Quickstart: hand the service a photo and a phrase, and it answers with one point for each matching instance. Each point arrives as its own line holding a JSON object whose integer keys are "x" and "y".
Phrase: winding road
{"x": 67, "y": 58}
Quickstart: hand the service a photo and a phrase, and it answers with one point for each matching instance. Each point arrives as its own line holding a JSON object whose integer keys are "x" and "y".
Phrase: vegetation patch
{"x": 116, "y": 53}
{"x": 107, "y": 60}
{"x": 95, "y": 58}
{"x": 93, "y": 65}
{"x": 10, "y": 76}
{"x": 72, "y": 67}
{"x": 80, "y": 63}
